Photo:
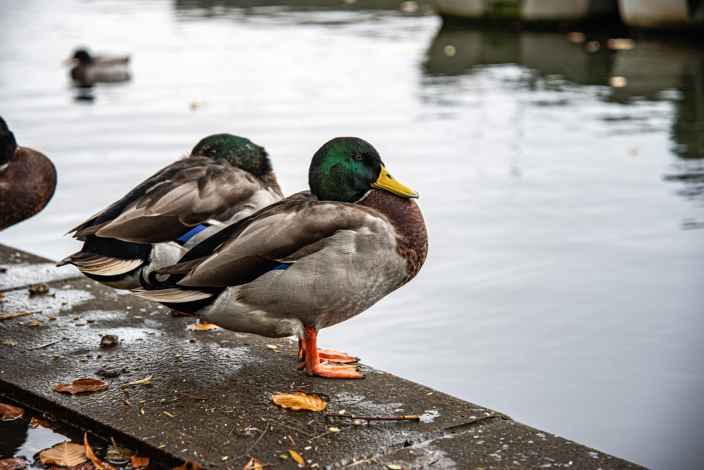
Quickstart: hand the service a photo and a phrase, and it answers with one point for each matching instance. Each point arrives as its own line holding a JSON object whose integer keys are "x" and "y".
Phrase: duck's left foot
{"x": 329, "y": 355}
{"x": 335, "y": 371}
{"x": 337, "y": 357}
{"x": 325, "y": 362}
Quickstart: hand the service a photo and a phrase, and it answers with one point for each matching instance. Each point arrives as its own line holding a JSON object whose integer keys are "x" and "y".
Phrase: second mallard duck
{"x": 309, "y": 261}
{"x": 225, "y": 179}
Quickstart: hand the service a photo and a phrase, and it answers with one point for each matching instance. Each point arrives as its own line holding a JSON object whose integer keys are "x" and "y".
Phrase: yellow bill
{"x": 387, "y": 182}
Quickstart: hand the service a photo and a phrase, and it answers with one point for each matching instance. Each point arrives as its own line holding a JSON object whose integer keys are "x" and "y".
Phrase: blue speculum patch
{"x": 191, "y": 233}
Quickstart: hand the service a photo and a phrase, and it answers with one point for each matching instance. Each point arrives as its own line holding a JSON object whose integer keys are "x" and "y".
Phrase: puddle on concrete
{"x": 18, "y": 275}
{"x": 57, "y": 300}
{"x": 19, "y": 439}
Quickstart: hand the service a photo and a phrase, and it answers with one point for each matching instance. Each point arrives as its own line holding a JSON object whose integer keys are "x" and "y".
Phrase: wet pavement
{"x": 209, "y": 399}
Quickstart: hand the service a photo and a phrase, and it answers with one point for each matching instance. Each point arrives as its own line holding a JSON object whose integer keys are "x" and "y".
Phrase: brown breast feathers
{"x": 407, "y": 219}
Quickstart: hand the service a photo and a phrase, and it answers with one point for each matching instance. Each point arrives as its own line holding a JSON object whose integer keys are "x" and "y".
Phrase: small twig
{"x": 251, "y": 448}
{"x": 44, "y": 345}
{"x": 332, "y": 417}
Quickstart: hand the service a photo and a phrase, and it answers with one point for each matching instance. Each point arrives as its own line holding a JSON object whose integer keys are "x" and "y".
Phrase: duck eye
{"x": 358, "y": 157}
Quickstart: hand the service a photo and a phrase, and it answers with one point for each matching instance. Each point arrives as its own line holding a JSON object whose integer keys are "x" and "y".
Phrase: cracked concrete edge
{"x": 441, "y": 448}
{"x": 77, "y": 421}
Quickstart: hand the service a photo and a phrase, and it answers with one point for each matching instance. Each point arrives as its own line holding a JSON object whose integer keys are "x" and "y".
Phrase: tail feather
{"x": 98, "y": 265}
{"x": 172, "y": 295}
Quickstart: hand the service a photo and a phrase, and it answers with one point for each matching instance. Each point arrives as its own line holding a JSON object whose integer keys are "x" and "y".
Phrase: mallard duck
{"x": 309, "y": 261}
{"x": 88, "y": 69}
{"x": 225, "y": 179}
{"x": 27, "y": 180}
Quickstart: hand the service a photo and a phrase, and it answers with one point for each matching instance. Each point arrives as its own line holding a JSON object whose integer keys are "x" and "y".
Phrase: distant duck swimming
{"x": 225, "y": 179}
{"x": 88, "y": 69}
{"x": 309, "y": 261}
{"x": 27, "y": 180}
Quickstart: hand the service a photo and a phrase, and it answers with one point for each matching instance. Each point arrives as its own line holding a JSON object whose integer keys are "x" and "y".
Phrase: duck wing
{"x": 176, "y": 198}
{"x": 282, "y": 233}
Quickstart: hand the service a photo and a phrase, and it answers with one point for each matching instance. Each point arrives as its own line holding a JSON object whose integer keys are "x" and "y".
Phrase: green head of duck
{"x": 8, "y": 145}
{"x": 346, "y": 168}
{"x": 238, "y": 151}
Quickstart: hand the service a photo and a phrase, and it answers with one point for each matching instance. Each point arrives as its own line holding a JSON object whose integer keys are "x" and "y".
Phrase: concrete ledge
{"x": 210, "y": 398}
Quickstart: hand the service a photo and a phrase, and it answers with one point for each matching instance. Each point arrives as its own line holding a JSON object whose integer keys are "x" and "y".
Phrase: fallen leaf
{"x": 108, "y": 341}
{"x": 333, "y": 429}
{"x": 64, "y": 454}
{"x": 203, "y": 326}
{"x": 9, "y": 412}
{"x": 273, "y": 347}
{"x": 299, "y": 401}
{"x": 10, "y": 316}
{"x": 253, "y": 464}
{"x": 393, "y": 466}
{"x": 13, "y": 464}
{"x": 296, "y": 456}
{"x": 139, "y": 462}
{"x": 188, "y": 466}
{"x": 39, "y": 423}
{"x": 35, "y": 323}
{"x": 86, "y": 385}
{"x": 145, "y": 381}
{"x": 38, "y": 289}
{"x": 99, "y": 464}
{"x": 8, "y": 342}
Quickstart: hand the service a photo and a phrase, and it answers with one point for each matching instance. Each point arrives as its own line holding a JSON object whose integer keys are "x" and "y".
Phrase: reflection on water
{"x": 668, "y": 71}
{"x": 563, "y": 284}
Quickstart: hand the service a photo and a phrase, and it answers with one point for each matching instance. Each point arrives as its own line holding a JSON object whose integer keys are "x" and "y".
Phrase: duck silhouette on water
{"x": 88, "y": 69}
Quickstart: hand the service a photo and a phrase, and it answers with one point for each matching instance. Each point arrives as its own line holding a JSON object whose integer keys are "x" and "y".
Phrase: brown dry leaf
{"x": 86, "y": 385}
{"x": 139, "y": 462}
{"x": 9, "y": 412}
{"x": 38, "y": 289}
{"x": 39, "y": 423}
{"x": 64, "y": 454}
{"x": 35, "y": 323}
{"x": 253, "y": 464}
{"x": 203, "y": 326}
{"x": 297, "y": 457}
{"x": 188, "y": 466}
{"x": 13, "y": 464}
{"x": 99, "y": 464}
{"x": 299, "y": 401}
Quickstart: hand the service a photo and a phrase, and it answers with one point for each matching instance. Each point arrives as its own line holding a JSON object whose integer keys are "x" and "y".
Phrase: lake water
{"x": 565, "y": 280}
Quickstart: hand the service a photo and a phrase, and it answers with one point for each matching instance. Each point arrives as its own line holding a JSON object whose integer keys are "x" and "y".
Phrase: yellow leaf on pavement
{"x": 297, "y": 457}
{"x": 299, "y": 401}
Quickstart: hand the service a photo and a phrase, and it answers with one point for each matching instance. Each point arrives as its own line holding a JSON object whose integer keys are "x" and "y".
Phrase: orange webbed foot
{"x": 335, "y": 371}
{"x": 326, "y": 363}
